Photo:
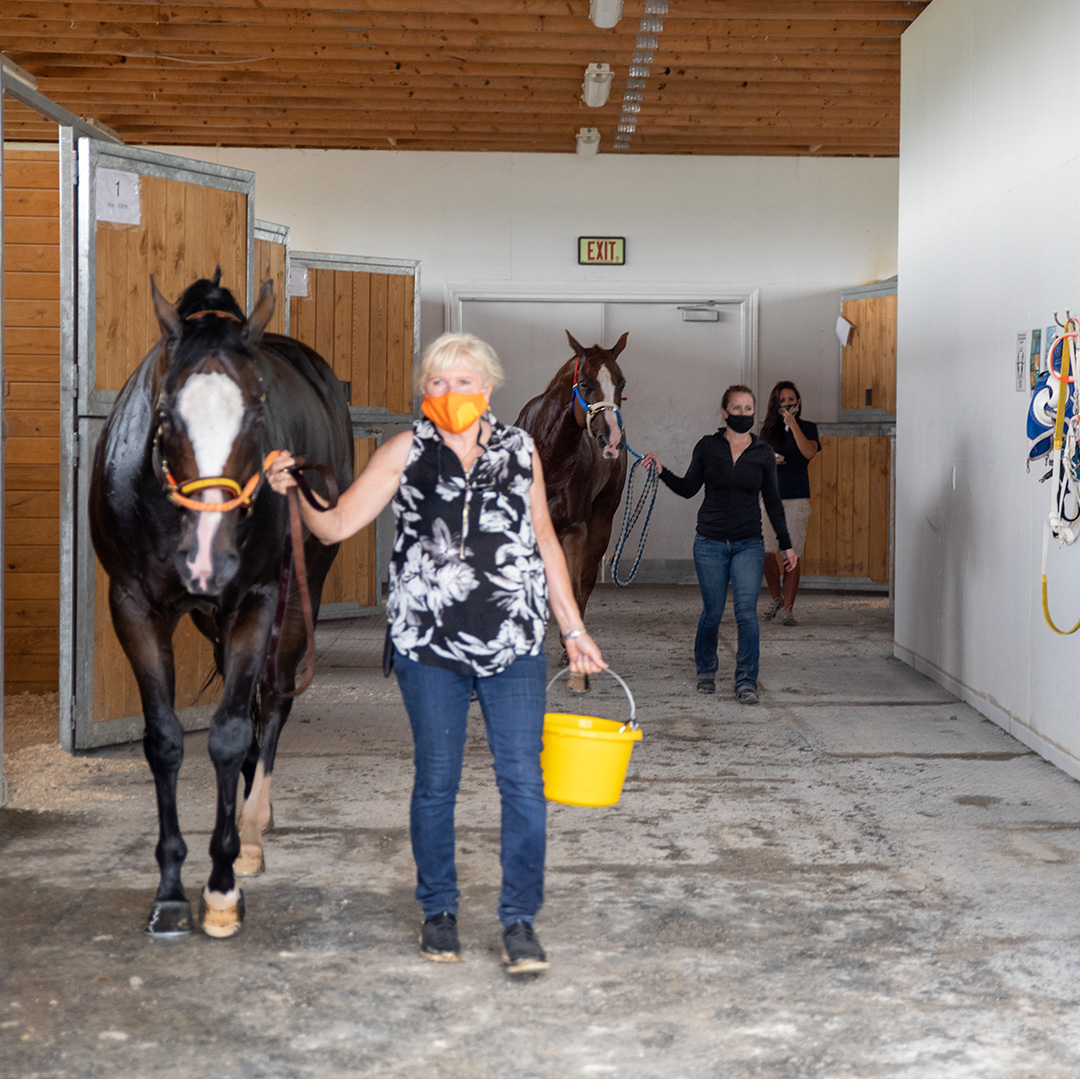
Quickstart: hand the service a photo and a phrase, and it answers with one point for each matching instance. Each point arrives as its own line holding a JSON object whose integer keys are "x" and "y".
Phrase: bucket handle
{"x": 632, "y": 722}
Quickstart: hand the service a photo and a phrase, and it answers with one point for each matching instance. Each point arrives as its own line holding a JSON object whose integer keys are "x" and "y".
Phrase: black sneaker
{"x": 706, "y": 686}
{"x": 747, "y": 696}
{"x": 522, "y": 952}
{"x": 439, "y": 938}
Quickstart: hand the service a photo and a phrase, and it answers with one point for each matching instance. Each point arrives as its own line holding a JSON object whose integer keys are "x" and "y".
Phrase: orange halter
{"x": 242, "y": 496}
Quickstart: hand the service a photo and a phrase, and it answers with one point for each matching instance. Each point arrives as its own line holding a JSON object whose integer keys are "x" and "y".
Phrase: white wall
{"x": 799, "y": 229}
{"x": 989, "y": 221}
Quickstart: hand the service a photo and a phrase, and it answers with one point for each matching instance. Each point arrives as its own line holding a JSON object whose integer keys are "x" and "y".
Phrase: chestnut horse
{"x": 183, "y": 525}
{"x": 577, "y": 426}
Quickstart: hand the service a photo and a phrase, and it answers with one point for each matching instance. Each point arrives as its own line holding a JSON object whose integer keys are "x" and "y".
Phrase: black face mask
{"x": 741, "y": 424}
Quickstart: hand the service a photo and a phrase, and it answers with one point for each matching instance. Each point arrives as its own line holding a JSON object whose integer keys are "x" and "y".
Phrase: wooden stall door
{"x": 362, "y": 324}
{"x": 849, "y": 531}
{"x": 271, "y": 256}
{"x": 185, "y": 230}
{"x": 868, "y": 362}
{"x": 32, "y": 411}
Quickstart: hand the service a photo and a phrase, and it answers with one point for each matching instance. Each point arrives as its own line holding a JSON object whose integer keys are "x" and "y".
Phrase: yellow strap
{"x": 225, "y": 483}
{"x": 1063, "y": 391}
{"x": 1050, "y": 621}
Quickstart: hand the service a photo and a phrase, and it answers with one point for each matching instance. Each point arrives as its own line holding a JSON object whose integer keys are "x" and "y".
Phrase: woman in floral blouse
{"x": 475, "y": 565}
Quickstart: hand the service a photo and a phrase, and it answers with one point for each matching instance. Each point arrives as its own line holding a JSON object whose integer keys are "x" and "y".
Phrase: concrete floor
{"x": 860, "y": 877}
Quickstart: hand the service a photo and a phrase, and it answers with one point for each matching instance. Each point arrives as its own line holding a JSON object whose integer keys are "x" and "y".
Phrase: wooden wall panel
{"x": 849, "y": 531}
{"x": 32, "y": 411}
{"x": 354, "y": 575}
{"x": 362, "y": 324}
{"x": 185, "y": 232}
{"x": 270, "y": 266}
{"x": 868, "y": 363}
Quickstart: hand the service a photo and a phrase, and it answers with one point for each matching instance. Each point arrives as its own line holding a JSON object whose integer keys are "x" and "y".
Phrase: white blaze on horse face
{"x": 212, "y": 408}
{"x": 611, "y": 417}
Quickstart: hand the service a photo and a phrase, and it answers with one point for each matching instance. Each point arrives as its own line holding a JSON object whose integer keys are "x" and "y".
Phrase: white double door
{"x": 676, "y": 372}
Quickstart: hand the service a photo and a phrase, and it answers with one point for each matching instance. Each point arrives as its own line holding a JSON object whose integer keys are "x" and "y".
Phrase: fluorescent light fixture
{"x": 605, "y": 13}
{"x": 12, "y": 70}
{"x": 643, "y": 56}
{"x": 588, "y": 142}
{"x": 639, "y": 71}
{"x": 648, "y": 41}
{"x": 597, "y": 85}
{"x": 656, "y": 7}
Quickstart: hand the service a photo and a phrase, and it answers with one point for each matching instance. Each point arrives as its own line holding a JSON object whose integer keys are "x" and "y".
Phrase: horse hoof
{"x": 169, "y": 919}
{"x": 250, "y": 861}
{"x": 221, "y": 914}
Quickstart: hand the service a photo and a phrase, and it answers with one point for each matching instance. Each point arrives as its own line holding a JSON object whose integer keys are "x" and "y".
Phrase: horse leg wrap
{"x": 250, "y": 862}
{"x": 221, "y": 914}
{"x": 256, "y": 815}
{"x": 169, "y": 919}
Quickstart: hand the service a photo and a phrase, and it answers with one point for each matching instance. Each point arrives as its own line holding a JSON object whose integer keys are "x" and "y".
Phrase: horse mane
{"x": 565, "y": 374}
{"x": 207, "y": 294}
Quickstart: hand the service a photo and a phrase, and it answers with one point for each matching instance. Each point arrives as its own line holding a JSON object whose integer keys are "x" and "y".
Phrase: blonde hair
{"x": 449, "y": 349}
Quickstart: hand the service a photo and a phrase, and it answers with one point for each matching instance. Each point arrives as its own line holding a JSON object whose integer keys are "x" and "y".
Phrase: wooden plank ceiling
{"x": 770, "y": 77}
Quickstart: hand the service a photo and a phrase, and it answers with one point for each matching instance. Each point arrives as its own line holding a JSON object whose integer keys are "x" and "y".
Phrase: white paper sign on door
{"x": 118, "y": 196}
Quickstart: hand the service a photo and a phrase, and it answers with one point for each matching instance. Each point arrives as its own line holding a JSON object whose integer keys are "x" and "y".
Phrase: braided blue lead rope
{"x": 652, "y": 484}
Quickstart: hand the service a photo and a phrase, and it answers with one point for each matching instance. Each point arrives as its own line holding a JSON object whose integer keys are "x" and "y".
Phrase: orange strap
{"x": 179, "y": 493}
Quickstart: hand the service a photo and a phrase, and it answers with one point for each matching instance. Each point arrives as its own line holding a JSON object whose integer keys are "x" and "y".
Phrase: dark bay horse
{"x": 577, "y": 427}
{"x": 182, "y": 524}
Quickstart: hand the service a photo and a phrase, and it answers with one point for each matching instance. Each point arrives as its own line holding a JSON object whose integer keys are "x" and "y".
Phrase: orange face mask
{"x": 454, "y": 412}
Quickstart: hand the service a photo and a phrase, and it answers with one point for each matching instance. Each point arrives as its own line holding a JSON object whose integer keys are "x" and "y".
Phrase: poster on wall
{"x": 1049, "y": 341}
{"x": 1021, "y": 361}
{"x": 1035, "y": 362}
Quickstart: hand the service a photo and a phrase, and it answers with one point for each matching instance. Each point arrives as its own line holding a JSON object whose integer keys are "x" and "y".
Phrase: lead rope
{"x": 292, "y": 556}
{"x": 630, "y": 518}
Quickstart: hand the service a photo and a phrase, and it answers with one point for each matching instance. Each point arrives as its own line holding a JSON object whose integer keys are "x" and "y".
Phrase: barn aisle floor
{"x": 859, "y": 877}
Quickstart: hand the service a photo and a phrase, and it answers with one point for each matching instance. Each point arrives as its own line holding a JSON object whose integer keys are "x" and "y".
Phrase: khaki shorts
{"x": 797, "y": 512}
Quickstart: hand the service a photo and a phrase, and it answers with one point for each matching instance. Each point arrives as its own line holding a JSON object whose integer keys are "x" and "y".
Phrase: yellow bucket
{"x": 585, "y": 757}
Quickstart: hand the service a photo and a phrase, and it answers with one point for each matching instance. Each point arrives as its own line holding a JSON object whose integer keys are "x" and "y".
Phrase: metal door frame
{"x": 83, "y": 410}
{"x": 67, "y": 122}
{"x": 693, "y": 296}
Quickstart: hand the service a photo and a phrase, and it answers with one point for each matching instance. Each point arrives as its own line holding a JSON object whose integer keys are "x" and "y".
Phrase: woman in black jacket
{"x": 738, "y": 471}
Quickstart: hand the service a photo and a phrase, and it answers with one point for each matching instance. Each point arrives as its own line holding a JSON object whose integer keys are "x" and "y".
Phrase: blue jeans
{"x": 718, "y": 562}
{"x": 437, "y": 701}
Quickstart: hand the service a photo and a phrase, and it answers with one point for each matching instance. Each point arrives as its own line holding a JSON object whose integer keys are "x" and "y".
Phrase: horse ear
{"x": 217, "y": 277}
{"x": 167, "y": 316}
{"x": 574, "y": 345}
{"x": 261, "y": 313}
{"x": 619, "y": 345}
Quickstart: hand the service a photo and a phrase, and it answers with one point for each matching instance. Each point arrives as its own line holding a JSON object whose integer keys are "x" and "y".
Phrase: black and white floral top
{"x": 467, "y": 589}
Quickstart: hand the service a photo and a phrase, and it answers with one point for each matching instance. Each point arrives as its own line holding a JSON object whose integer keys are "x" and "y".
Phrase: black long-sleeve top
{"x": 730, "y": 509}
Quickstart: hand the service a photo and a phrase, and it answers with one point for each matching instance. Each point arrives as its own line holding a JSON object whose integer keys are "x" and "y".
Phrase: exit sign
{"x": 601, "y": 250}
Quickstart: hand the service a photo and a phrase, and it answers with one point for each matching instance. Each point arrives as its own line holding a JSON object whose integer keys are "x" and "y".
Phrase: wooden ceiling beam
{"x": 88, "y": 81}
{"x": 401, "y": 124}
{"x": 901, "y": 11}
{"x": 200, "y": 41}
{"x": 346, "y": 74}
{"x": 143, "y": 21}
{"x": 230, "y": 56}
{"x": 99, "y": 99}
